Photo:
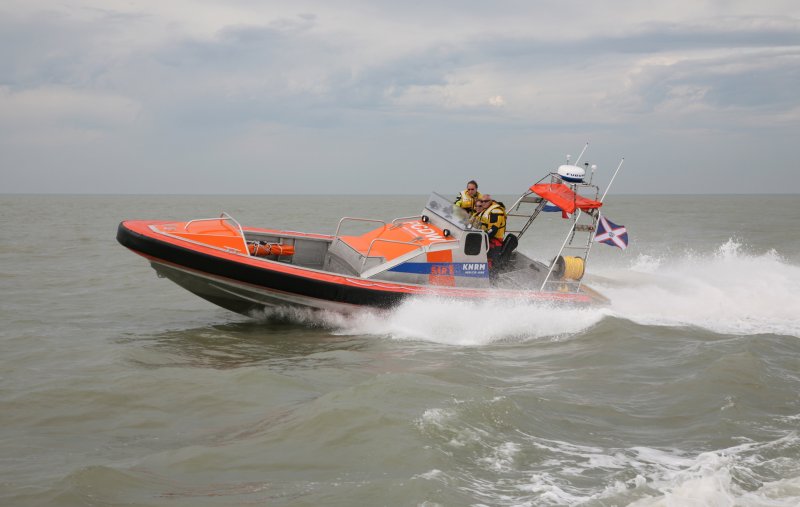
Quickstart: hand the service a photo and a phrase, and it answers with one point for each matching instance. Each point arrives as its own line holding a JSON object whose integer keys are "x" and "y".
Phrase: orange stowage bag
{"x": 563, "y": 197}
{"x": 264, "y": 249}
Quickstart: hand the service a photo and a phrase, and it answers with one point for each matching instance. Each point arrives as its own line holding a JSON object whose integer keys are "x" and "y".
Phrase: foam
{"x": 727, "y": 291}
{"x": 709, "y": 481}
{"x": 738, "y": 475}
{"x": 462, "y": 323}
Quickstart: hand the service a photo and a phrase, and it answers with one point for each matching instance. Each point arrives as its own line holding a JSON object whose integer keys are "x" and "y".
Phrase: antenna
{"x": 582, "y": 152}
{"x": 612, "y": 179}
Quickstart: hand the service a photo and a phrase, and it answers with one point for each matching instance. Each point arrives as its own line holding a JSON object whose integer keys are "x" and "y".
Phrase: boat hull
{"x": 239, "y": 297}
{"x": 247, "y": 285}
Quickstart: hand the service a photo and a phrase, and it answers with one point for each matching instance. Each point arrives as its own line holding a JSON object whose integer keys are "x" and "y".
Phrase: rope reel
{"x": 569, "y": 268}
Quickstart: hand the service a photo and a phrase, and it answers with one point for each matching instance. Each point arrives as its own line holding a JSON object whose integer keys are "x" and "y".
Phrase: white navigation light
{"x": 571, "y": 173}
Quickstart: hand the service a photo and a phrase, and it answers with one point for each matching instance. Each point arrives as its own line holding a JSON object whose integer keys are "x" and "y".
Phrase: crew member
{"x": 492, "y": 216}
{"x": 467, "y": 198}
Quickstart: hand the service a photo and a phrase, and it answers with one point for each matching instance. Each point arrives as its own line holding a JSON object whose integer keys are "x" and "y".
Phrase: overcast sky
{"x": 386, "y": 96}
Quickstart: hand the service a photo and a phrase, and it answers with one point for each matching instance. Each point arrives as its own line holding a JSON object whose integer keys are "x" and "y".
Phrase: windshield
{"x": 444, "y": 208}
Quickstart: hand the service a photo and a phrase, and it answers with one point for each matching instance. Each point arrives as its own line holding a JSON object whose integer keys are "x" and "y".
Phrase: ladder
{"x": 579, "y": 240}
{"x": 523, "y": 212}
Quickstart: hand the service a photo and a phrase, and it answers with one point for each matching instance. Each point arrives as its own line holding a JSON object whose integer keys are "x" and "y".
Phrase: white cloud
{"x": 497, "y": 101}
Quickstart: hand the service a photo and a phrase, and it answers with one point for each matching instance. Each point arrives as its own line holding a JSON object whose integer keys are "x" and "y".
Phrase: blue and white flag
{"x": 611, "y": 234}
{"x": 550, "y": 207}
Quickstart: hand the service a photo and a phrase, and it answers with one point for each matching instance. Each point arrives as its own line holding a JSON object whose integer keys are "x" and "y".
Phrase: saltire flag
{"x": 611, "y": 234}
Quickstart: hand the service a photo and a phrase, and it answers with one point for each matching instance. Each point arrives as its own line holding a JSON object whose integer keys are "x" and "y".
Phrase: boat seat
{"x": 506, "y": 250}
{"x": 509, "y": 245}
{"x": 343, "y": 258}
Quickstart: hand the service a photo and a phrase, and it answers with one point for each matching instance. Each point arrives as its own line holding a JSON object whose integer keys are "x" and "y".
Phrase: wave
{"x": 738, "y": 475}
{"x": 454, "y": 322}
{"x": 532, "y": 470}
{"x": 729, "y": 291}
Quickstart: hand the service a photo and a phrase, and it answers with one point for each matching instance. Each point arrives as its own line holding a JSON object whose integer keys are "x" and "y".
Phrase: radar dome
{"x": 572, "y": 173}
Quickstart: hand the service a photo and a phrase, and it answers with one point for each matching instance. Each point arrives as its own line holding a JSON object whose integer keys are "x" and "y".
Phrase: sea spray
{"x": 455, "y": 322}
{"x": 727, "y": 291}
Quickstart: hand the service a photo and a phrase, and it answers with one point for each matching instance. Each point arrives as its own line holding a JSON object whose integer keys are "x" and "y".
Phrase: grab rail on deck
{"x": 376, "y": 240}
{"x": 406, "y": 219}
{"x": 432, "y": 247}
{"x": 356, "y": 219}
{"x": 223, "y": 216}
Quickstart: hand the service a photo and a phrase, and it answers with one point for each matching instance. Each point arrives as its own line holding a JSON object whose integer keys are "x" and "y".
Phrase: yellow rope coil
{"x": 570, "y": 268}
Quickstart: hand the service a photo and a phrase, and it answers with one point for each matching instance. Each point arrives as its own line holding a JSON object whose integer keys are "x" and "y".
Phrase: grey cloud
{"x": 768, "y": 80}
{"x": 303, "y": 87}
{"x": 288, "y": 70}
{"x": 644, "y": 39}
{"x": 243, "y": 47}
{"x": 52, "y": 48}
{"x": 723, "y": 33}
{"x": 765, "y": 80}
{"x": 250, "y": 73}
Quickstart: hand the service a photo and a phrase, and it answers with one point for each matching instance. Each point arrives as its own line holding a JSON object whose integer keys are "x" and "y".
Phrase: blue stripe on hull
{"x": 466, "y": 269}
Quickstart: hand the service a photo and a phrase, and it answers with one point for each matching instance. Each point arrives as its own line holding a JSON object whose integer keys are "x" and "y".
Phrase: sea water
{"x": 119, "y": 388}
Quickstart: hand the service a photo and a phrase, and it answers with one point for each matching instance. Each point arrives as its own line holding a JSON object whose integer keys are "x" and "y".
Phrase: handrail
{"x": 449, "y": 245}
{"x": 564, "y": 244}
{"x": 371, "y": 243}
{"x": 223, "y": 216}
{"x": 358, "y": 220}
{"x": 396, "y": 220}
{"x": 524, "y": 198}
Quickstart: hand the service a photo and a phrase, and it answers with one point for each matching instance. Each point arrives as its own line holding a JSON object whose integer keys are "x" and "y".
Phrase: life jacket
{"x": 466, "y": 201}
{"x": 494, "y": 215}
